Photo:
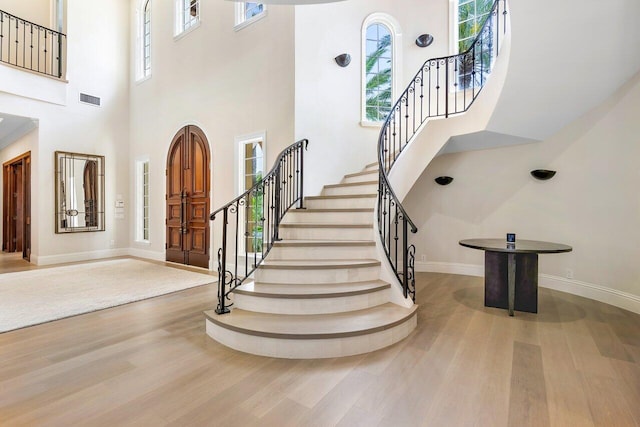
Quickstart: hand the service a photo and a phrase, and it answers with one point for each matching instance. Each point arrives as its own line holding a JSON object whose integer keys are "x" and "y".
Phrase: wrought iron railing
{"x": 251, "y": 221}
{"x": 31, "y": 46}
{"x": 442, "y": 87}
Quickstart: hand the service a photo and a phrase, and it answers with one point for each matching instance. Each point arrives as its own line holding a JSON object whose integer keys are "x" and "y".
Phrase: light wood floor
{"x": 150, "y": 363}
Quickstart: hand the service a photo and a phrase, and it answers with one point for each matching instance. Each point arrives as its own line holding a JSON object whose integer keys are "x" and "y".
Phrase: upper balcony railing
{"x": 442, "y": 87}
{"x": 32, "y": 47}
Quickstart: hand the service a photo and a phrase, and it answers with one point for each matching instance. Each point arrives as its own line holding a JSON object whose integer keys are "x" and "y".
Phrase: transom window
{"x": 248, "y": 12}
{"x": 187, "y": 15}
{"x": 146, "y": 40}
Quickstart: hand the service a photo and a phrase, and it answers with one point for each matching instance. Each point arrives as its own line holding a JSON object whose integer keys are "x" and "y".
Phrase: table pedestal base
{"x": 524, "y": 281}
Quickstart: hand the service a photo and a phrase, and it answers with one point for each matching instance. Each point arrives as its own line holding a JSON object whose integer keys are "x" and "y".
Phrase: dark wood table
{"x": 509, "y": 264}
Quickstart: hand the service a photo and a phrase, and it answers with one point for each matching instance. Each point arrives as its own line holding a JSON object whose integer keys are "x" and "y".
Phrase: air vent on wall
{"x": 89, "y": 99}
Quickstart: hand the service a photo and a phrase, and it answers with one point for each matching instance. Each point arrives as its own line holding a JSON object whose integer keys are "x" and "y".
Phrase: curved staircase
{"x": 313, "y": 290}
{"x": 317, "y": 294}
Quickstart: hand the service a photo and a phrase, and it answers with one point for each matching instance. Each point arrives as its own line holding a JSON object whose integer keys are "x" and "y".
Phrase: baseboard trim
{"x": 143, "y": 253}
{"x": 592, "y": 291}
{"x": 450, "y": 268}
{"x": 78, "y": 256}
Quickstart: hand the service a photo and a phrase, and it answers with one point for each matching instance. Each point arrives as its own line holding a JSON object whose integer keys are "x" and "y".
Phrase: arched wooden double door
{"x": 188, "y": 177}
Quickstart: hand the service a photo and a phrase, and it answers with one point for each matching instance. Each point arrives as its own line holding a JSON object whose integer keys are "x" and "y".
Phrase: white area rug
{"x": 37, "y": 296}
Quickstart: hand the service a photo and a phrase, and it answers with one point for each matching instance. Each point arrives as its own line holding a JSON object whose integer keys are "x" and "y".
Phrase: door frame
{"x": 9, "y": 229}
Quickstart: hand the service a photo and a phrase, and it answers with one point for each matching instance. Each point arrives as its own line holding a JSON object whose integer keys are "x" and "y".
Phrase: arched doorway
{"x": 188, "y": 177}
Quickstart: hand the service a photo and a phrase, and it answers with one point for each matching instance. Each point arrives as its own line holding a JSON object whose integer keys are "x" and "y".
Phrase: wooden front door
{"x": 188, "y": 198}
{"x": 17, "y": 206}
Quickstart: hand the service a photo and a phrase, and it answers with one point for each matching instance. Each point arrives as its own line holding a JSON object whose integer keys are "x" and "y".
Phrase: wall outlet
{"x": 569, "y": 273}
{"x": 423, "y": 258}
{"x": 112, "y": 243}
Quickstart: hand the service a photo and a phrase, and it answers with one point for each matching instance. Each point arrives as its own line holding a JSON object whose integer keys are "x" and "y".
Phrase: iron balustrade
{"x": 442, "y": 87}
{"x": 30, "y": 46}
{"x": 251, "y": 221}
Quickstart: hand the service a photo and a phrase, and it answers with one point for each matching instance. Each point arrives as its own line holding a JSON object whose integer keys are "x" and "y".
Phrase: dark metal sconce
{"x": 444, "y": 180}
{"x": 543, "y": 174}
{"x": 424, "y": 40}
{"x": 343, "y": 60}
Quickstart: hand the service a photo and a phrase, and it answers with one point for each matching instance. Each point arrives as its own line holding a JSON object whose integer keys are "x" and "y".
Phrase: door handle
{"x": 183, "y": 212}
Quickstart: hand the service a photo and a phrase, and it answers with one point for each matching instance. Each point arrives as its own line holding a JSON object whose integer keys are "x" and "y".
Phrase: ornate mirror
{"x": 79, "y": 192}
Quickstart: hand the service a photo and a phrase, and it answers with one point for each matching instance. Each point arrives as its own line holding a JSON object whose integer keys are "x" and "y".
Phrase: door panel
{"x": 188, "y": 198}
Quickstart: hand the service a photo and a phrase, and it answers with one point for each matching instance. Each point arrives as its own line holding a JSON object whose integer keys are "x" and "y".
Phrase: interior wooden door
{"x": 17, "y": 206}
{"x": 188, "y": 177}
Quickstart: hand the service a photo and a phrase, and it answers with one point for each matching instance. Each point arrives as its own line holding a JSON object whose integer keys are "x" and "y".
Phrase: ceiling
{"x": 13, "y": 128}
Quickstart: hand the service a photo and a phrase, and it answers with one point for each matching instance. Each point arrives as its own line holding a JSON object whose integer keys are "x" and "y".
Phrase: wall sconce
{"x": 343, "y": 60}
{"x": 444, "y": 180}
{"x": 542, "y": 174}
{"x": 424, "y": 40}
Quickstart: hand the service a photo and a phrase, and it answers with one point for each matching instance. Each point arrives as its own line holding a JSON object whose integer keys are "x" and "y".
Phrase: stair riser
{"x": 320, "y": 276}
{"x": 342, "y": 234}
{"x": 350, "y": 203}
{"x": 327, "y": 217}
{"x": 372, "y": 167}
{"x": 311, "y": 348}
{"x": 323, "y": 252}
{"x": 311, "y": 305}
{"x": 351, "y": 189}
{"x": 360, "y": 178}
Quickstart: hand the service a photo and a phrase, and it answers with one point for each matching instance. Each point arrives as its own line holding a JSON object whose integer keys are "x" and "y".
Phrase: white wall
{"x": 36, "y": 11}
{"x": 226, "y": 82}
{"x": 592, "y": 204}
{"x": 328, "y": 96}
{"x": 98, "y": 64}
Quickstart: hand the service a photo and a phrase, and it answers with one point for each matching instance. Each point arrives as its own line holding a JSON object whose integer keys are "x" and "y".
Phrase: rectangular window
{"x": 187, "y": 15}
{"x": 146, "y": 40}
{"x": 248, "y": 12}
{"x": 142, "y": 201}
{"x": 471, "y": 16}
{"x": 251, "y": 172}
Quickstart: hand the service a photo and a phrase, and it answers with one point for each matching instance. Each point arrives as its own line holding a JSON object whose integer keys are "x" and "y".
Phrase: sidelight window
{"x": 251, "y": 172}
{"x": 142, "y": 201}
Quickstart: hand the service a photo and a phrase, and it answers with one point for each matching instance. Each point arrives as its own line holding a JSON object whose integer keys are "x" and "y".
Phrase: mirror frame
{"x": 61, "y": 215}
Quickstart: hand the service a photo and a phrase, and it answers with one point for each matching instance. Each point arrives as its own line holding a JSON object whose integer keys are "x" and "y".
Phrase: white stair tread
{"x": 343, "y": 196}
{"x": 351, "y": 184}
{"x": 303, "y": 211}
{"x": 325, "y": 225}
{"x": 316, "y": 326}
{"x": 305, "y": 243}
{"x": 275, "y": 290}
{"x": 318, "y": 264}
{"x": 364, "y": 172}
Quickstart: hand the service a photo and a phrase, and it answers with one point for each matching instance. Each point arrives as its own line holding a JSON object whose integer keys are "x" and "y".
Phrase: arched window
{"x": 380, "y": 66}
{"x": 146, "y": 39}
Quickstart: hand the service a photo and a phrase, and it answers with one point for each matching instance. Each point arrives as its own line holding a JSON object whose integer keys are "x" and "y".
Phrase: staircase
{"x": 314, "y": 288}
{"x": 317, "y": 294}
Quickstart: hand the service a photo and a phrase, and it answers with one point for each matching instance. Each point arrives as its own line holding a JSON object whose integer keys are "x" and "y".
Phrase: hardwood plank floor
{"x": 577, "y": 362}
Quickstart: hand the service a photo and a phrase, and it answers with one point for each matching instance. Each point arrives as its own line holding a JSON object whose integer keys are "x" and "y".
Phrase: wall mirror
{"x": 79, "y": 192}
